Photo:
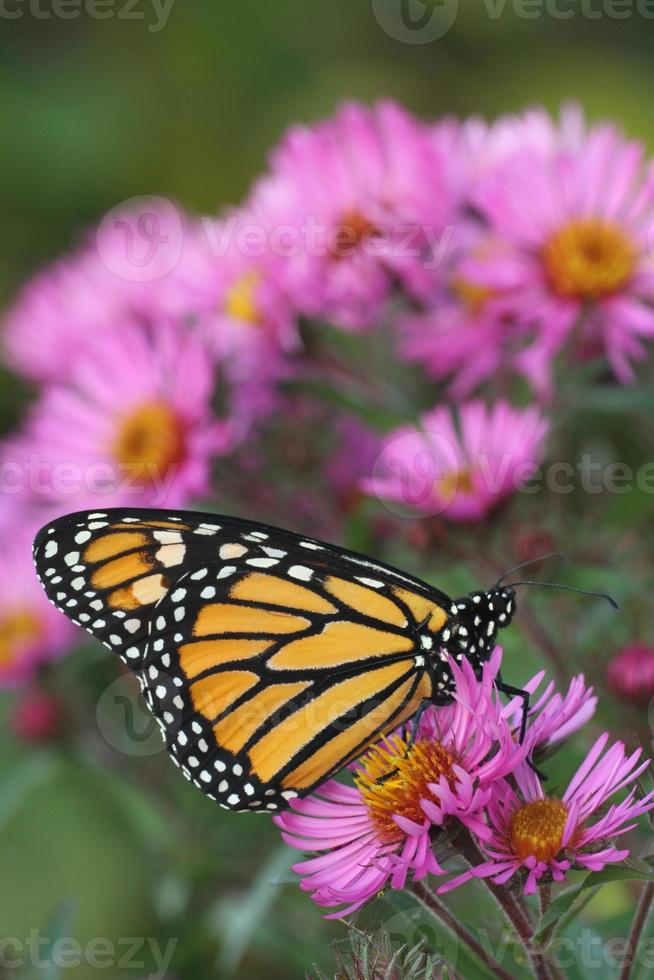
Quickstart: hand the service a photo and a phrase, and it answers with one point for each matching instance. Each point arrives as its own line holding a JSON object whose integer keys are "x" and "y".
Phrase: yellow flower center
{"x": 536, "y": 829}
{"x": 240, "y": 301}
{"x": 459, "y": 482}
{"x": 473, "y": 296}
{"x": 589, "y": 258}
{"x": 150, "y": 441}
{"x": 394, "y": 778}
{"x": 18, "y": 628}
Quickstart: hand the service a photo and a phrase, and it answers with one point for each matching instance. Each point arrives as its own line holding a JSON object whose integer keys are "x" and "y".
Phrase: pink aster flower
{"x": 145, "y": 260}
{"x": 56, "y": 314}
{"x": 357, "y": 202}
{"x": 460, "y": 467}
{"x": 467, "y": 333}
{"x": 479, "y": 146}
{"x": 133, "y": 426}
{"x": 374, "y": 833}
{"x": 250, "y": 323}
{"x": 32, "y": 631}
{"x": 553, "y": 716}
{"x": 537, "y": 834}
{"x": 577, "y": 229}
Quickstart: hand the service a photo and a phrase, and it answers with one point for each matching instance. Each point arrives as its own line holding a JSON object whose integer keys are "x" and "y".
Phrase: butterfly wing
{"x": 270, "y": 660}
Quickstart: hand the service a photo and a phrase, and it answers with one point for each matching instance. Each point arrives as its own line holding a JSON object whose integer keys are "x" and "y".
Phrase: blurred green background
{"x": 93, "y": 112}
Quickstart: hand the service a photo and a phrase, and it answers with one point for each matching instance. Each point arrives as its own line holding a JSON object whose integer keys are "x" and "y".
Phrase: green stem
{"x": 430, "y": 901}
{"x": 637, "y": 926}
{"x": 545, "y": 897}
{"x": 515, "y": 913}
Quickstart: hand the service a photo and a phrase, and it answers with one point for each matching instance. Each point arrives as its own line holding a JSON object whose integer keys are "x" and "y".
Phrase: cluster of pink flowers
{"x": 467, "y": 772}
{"x": 478, "y": 252}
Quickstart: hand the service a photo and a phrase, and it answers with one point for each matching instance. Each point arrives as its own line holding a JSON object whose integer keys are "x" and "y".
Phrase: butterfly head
{"x": 476, "y": 620}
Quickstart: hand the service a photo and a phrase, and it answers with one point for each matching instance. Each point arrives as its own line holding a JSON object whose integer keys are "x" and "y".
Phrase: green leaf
{"x": 27, "y": 777}
{"x": 236, "y": 921}
{"x": 379, "y": 417}
{"x": 561, "y": 912}
{"x": 617, "y": 872}
{"x": 142, "y": 816}
{"x": 59, "y": 927}
{"x": 613, "y": 399}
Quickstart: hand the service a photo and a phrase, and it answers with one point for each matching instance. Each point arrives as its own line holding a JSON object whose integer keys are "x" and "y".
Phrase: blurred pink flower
{"x": 146, "y": 259}
{"x": 357, "y": 202}
{"x": 467, "y": 332}
{"x": 32, "y": 631}
{"x": 379, "y": 832}
{"x": 577, "y": 227}
{"x": 631, "y": 674}
{"x": 250, "y": 325}
{"x": 461, "y": 466}
{"x": 133, "y": 426}
{"x": 538, "y": 834}
{"x": 478, "y": 146}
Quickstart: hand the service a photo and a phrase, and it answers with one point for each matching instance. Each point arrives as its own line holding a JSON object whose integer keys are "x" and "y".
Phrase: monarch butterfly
{"x": 270, "y": 660}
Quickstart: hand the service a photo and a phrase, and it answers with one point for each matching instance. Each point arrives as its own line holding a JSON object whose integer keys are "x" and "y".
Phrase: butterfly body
{"x": 270, "y": 660}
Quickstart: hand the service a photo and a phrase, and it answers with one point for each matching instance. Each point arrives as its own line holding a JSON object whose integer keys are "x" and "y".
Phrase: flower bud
{"x": 631, "y": 674}
{"x": 37, "y": 717}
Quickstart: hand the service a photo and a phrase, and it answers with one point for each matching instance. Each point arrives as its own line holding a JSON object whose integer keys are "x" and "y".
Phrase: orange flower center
{"x": 589, "y": 258}
{"x": 394, "y": 778}
{"x": 536, "y": 829}
{"x": 352, "y": 231}
{"x": 18, "y": 629}
{"x": 150, "y": 441}
{"x": 240, "y": 301}
{"x": 473, "y": 296}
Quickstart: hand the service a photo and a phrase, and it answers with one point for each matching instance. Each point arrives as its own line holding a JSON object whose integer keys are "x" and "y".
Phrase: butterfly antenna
{"x": 572, "y": 588}
{"x": 531, "y": 561}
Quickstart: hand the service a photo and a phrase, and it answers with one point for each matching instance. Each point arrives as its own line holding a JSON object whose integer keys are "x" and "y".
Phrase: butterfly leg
{"x": 520, "y": 693}
{"x": 410, "y": 732}
{"x": 409, "y": 736}
{"x": 516, "y": 692}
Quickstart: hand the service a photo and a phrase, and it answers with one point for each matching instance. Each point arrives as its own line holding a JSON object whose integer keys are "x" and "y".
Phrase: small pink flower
{"x": 460, "y": 470}
{"x": 32, "y": 631}
{"x": 537, "y": 834}
{"x": 375, "y": 832}
{"x": 577, "y": 228}
{"x": 631, "y": 674}
{"x": 357, "y": 202}
{"x": 134, "y": 426}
